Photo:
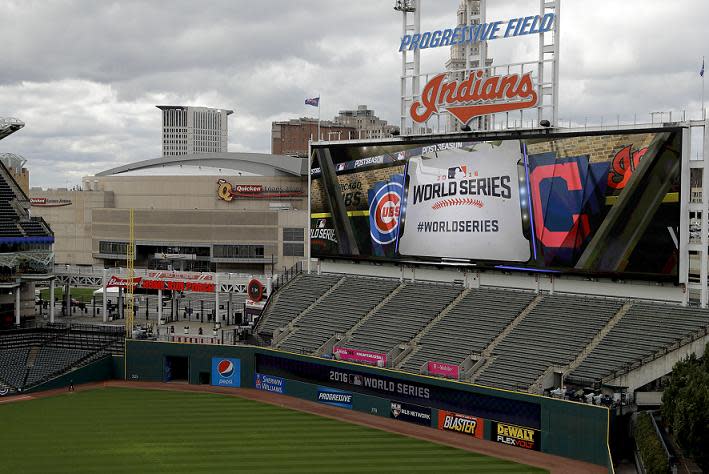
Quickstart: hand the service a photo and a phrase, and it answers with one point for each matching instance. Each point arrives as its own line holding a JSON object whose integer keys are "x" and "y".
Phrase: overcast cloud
{"x": 85, "y": 76}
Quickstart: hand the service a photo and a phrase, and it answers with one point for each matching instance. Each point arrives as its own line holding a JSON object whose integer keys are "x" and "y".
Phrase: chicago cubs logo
{"x": 385, "y": 212}
{"x": 225, "y": 368}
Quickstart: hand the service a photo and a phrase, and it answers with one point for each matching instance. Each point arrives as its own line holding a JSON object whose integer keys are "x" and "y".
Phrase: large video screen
{"x": 593, "y": 204}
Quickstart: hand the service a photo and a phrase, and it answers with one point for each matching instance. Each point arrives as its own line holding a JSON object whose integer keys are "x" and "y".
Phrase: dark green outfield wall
{"x": 97, "y": 371}
{"x": 568, "y": 429}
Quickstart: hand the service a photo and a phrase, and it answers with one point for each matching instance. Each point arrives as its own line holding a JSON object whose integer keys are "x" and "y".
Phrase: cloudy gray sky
{"x": 85, "y": 76}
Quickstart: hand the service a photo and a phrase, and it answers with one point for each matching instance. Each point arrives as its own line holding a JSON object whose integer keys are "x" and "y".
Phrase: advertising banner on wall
{"x": 270, "y": 383}
{"x": 360, "y": 356}
{"x": 344, "y": 378}
{"x": 592, "y": 204}
{"x": 226, "y": 372}
{"x": 512, "y": 435}
{"x": 465, "y": 424}
{"x": 334, "y": 397}
{"x": 411, "y": 413}
{"x": 440, "y": 369}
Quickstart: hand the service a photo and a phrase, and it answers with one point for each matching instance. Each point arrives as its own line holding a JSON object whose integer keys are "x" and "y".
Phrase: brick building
{"x": 291, "y": 137}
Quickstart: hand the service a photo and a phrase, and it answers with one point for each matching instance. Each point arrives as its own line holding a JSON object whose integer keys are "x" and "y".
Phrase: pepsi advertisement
{"x": 594, "y": 204}
{"x": 226, "y": 372}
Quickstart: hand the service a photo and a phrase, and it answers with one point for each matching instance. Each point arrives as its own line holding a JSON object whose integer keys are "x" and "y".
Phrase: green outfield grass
{"x": 130, "y": 430}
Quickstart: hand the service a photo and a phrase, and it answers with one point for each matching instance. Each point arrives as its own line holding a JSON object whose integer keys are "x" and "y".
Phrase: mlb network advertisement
{"x": 598, "y": 204}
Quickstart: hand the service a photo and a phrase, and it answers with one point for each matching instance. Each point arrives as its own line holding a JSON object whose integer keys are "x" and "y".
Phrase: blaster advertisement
{"x": 592, "y": 204}
{"x": 465, "y": 424}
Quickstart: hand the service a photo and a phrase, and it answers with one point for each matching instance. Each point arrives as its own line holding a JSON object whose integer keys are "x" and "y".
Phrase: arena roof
{"x": 248, "y": 164}
{"x": 9, "y": 125}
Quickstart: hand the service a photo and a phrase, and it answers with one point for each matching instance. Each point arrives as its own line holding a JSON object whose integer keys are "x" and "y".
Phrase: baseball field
{"x": 136, "y": 430}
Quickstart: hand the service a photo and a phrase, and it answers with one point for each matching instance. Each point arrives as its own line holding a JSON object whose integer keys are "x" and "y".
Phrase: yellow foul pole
{"x": 130, "y": 260}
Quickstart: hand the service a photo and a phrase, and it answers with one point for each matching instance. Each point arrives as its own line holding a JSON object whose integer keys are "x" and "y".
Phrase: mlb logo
{"x": 396, "y": 410}
{"x": 341, "y": 167}
{"x": 321, "y": 223}
{"x": 226, "y": 372}
{"x": 457, "y": 172}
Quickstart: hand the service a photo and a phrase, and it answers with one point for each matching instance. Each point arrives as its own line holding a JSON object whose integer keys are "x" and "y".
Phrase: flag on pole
{"x": 315, "y": 101}
{"x": 701, "y": 72}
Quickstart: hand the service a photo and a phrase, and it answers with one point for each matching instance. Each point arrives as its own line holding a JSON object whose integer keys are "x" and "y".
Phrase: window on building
{"x": 112, "y": 248}
{"x": 293, "y": 249}
{"x": 238, "y": 251}
{"x": 293, "y": 234}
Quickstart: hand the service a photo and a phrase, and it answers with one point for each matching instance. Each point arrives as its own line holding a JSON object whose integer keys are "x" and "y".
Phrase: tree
{"x": 685, "y": 407}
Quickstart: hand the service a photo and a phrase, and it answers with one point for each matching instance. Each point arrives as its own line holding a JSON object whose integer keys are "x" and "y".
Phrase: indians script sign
{"x": 475, "y": 96}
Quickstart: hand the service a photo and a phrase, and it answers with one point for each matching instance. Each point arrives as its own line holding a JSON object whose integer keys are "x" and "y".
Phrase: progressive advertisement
{"x": 593, "y": 204}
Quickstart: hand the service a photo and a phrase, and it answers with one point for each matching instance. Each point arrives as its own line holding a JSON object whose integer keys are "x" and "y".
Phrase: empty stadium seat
{"x": 643, "y": 331}
{"x": 552, "y": 334}
{"x": 293, "y": 299}
{"x": 338, "y": 312}
{"x": 402, "y": 317}
{"x": 468, "y": 327}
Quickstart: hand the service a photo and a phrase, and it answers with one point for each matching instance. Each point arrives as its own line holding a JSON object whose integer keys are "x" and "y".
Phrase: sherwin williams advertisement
{"x": 593, "y": 204}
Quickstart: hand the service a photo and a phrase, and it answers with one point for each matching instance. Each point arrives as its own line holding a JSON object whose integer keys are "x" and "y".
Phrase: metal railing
{"x": 286, "y": 276}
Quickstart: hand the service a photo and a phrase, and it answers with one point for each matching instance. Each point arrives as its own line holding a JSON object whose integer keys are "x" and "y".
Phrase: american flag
{"x": 315, "y": 101}
{"x": 701, "y": 73}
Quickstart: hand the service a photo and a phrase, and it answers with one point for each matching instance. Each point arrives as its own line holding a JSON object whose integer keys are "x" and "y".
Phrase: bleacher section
{"x": 548, "y": 331}
{"x": 337, "y": 313}
{"x": 16, "y": 225}
{"x": 402, "y": 317}
{"x": 552, "y": 334}
{"x": 52, "y": 361}
{"x": 293, "y": 299}
{"x": 13, "y": 366}
{"x": 31, "y": 356}
{"x": 468, "y": 327}
{"x": 643, "y": 331}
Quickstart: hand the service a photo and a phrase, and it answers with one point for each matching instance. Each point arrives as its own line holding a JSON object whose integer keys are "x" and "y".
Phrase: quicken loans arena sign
{"x": 228, "y": 192}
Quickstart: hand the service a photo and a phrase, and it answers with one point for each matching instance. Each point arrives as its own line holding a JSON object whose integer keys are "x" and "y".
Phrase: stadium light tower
{"x": 410, "y": 60}
{"x": 405, "y": 6}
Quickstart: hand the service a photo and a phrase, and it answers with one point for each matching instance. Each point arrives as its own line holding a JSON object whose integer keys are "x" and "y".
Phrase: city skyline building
{"x": 192, "y": 130}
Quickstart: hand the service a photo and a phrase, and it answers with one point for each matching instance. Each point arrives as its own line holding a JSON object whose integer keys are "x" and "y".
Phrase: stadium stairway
{"x": 647, "y": 332}
{"x": 468, "y": 328}
{"x": 281, "y": 335}
{"x": 593, "y": 344}
{"x": 552, "y": 334}
{"x": 546, "y": 379}
{"x": 413, "y": 345}
{"x": 337, "y": 312}
{"x": 474, "y": 372}
{"x": 289, "y": 301}
{"x": 32, "y": 356}
{"x": 337, "y": 339}
{"x": 402, "y": 318}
